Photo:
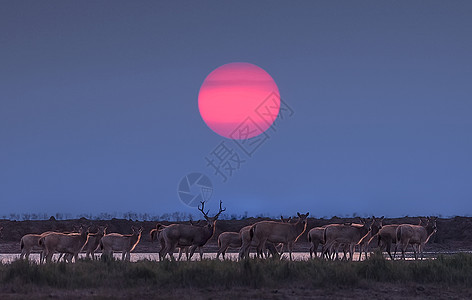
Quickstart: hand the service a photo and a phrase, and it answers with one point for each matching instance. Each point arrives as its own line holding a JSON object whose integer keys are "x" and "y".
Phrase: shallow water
{"x": 8, "y": 258}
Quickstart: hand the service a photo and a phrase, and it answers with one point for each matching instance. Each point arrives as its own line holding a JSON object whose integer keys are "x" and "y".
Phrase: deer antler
{"x": 201, "y": 209}
{"x": 220, "y": 211}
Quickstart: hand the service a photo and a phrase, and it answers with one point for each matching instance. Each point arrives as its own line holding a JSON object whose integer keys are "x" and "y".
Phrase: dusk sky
{"x": 99, "y": 106}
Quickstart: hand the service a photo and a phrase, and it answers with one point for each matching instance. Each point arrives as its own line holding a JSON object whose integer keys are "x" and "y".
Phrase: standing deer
{"x": 69, "y": 243}
{"x": 387, "y": 236}
{"x": 373, "y": 230}
{"x": 347, "y": 234}
{"x": 315, "y": 237}
{"x": 227, "y": 240}
{"x": 416, "y": 235}
{"x": 194, "y": 236}
{"x": 235, "y": 240}
{"x": 276, "y": 232}
{"x": 30, "y": 242}
{"x": 182, "y": 245}
{"x": 93, "y": 242}
{"x": 125, "y": 243}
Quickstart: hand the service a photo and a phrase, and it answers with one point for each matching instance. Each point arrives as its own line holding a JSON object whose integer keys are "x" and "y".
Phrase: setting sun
{"x": 235, "y": 92}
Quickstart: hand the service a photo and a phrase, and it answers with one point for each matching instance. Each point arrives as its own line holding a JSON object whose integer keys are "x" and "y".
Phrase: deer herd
{"x": 267, "y": 238}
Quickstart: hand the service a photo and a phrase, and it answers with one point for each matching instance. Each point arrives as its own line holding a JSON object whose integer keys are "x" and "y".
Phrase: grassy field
{"x": 22, "y": 276}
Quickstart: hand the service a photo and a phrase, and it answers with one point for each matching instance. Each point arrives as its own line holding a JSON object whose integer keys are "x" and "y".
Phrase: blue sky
{"x": 99, "y": 111}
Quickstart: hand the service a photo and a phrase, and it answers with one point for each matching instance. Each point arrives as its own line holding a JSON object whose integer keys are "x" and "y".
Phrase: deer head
{"x": 84, "y": 230}
{"x": 102, "y": 230}
{"x": 302, "y": 217}
{"x": 432, "y": 224}
{"x": 136, "y": 230}
{"x": 210, "y": 220}
{"x": 376, "y": 224}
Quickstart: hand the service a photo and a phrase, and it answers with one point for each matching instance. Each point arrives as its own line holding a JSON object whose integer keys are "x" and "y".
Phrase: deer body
{"x": 93, "y": 242}
{"x": 387, "y": 236}
{"x": 71, "y": 243}
{"x": 190, "y": 235}
{"x": 348, "y": 234}
{"x": 30, "y": 242}
{"x": 276, "y": 232}
{"x": 315, "y": 237}
{"x": 415, "y": 235}
{"x": 227, "y": 240}
{"x": 124, "y": 243}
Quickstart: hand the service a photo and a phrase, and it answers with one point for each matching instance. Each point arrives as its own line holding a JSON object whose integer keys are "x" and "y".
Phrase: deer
{"x": 235, "y": 240}
{"x": 227, "y": 240}
{"x": 125, "y": 243}
{"x": 387, "y": 236}
{"x": 93, "y": 242}
{"x": 193, "y": 236}
{"x": 373, "y": 230}
{"x": 276, "y": 232}
{"x": 91, "y": 246}
{"x": 348, "y": 234}
{"x": 315, "y": 238}
{"x": 30, "y": 242}
{"x": 416, "y": 235}
{"x": 156, "y": 235}
{"x": 69, "y": 243}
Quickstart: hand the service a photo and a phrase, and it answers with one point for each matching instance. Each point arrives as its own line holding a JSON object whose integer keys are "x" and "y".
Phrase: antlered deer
{"x": 194, "y": 236}
{"x": 276, "y": 232}
{"x": 124, "y": 243}
{"x": 416, "y": 235}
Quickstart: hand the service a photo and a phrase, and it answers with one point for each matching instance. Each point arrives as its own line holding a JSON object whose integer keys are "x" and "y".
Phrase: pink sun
{"x": 239, "y": 100}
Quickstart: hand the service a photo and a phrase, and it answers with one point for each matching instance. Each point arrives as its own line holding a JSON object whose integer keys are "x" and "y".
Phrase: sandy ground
{"x": 379, "y": 291}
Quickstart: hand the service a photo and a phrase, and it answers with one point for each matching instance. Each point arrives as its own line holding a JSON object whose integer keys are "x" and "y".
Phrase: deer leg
{"x": 192, "y": 251}
{"x": 404, "y": 246}
{"x": 263, "y": 249}
{"x": 290, "y": 248}
{"x": 170, "y": 248}
{"x": 389, "y": 245}
{"x": 49, "y": 257}
{"x": 201, "y": 253}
